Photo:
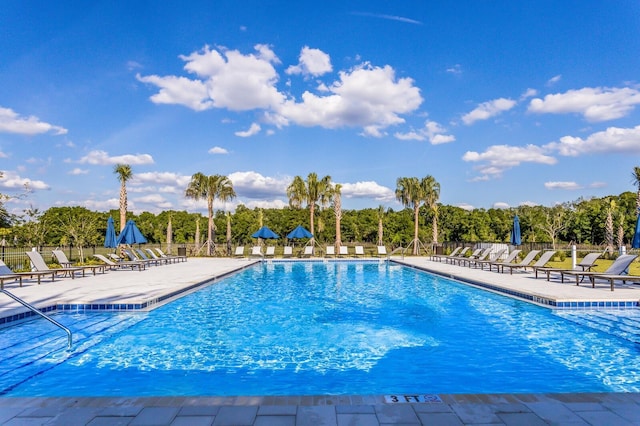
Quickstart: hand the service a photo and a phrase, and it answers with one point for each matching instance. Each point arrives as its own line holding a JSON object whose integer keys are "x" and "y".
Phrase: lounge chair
{"x": 152, "y": 255}
{"x": 455, "y": 256}
{"x": 287, "y": 251}
{"x": 270, "y": 252}
{"x": 330, "y": 251}
{"x": 308, "y": 251}
{"x": 524, "y": 262}
{"x": 440, "y": 257}
{"x": 41, "y": 266}
{"x": 487, "y": 257}
{"x": 463, "y": 258}
{"x": 138, "y": 254}
{"x": 62, "y": 259}
{"x": 344, "y": 251}
{"x": 497, "y": 262}
{"x": 171, "y": 256}
{"x": 120, "y": 265}
{"x": 256, "y": 251}
{"x": 7, "y": 274}
{"x": 616, "y": 272}
{"x": 587, "y": 262}
{"x": 540, "y": 263}
{"x": 382, "y": 251}
{"x": 482, "y": 255}
{"x": 359, "y": 251}
{"x": 239, "y": 252}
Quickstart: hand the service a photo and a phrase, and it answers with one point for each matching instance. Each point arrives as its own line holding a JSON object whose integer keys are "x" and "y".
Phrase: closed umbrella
{"x": 635, "y": 243}
{"x": 299, "y": 232}
{"x": 110, "y": 236}
{"x": 516, "y": 240}
{"x": 131, "y": 234}
{"x": 265, "y": 233}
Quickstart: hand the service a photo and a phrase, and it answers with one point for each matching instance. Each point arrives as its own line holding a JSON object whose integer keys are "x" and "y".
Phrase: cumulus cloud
{"x": 102, "y": 158}
{"x": 12, "y": 181}
{"x": 161, "y": 178}
{"x": 365, "y": 96}
{"x": 465, "y": 206}
{"x": 367, "y": 189}
{"x": 266, "y": 204}
{"x": 312, "y": 62}
{"x": 613, "y": 139}
{"x": 501, "y": 205}
{"x": 570, "y": 186}
{"x": 253, "y": 185}
{"x": 12, "y": 122}
{"x": 595, "y": 104}
{"x": 498, "y": 158}
{"x": 252, "y": 130}
{"x": 487, "y": 110}
{"x": 218, "y": 150}
{"x": 433, "y": 131}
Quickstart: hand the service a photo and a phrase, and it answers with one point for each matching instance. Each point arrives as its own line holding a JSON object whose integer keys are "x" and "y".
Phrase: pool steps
{"x": 26, "y": 352}
{"x": 621, "y": 325}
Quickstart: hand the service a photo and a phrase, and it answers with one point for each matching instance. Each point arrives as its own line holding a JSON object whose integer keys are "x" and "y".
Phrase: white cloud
{"x": 489, "y": 109}
{"x": 498, "y": 158}
{"x": 570, "y": 186}
{"x": 465, "y": 206}
{"x": 252, "y": 130}
{"x": 218, "y": 150}
{"x": 553, "y": 80}
{"x": 161, "y": 178}
{"x": 266, "y": 204}
{"x": 432, "y": 131}
{"x": 312, "y": 62}
{"x": 12, "y": 181}
{"x": 501, "y": 205}
{"x": 456, "y": 69}
{"x": 78, "y": 171}
{"x": 11, "y": 122}
{"x": 253, "y": 185}
{"x": 389, "y": 17}
{"x": 99, "y": 205}
{"x": 367, "y": 189}
{"x": 102, "y": 158}
{"x": 613, "y": 139}
{"x": 529, "y": 93}
{"x": 366, "y": 96}
{"x": 593, "y": 103}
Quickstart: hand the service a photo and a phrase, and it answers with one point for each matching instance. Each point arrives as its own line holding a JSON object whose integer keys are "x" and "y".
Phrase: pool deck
{"x": 156, "y": 285}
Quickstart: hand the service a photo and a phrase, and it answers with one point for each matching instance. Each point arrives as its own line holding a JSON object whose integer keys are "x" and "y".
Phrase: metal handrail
{"x": 37, "y": 311}
{"x": 397, "y": 249}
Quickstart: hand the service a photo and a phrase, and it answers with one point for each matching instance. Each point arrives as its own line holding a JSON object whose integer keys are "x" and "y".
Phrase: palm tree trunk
{"x": 210, "y": 228}
{"x": 435, "y": 229}
{"x": 312, "y": 209}
{"x": 380, "y": 231}
{"x": 416, "y": 211}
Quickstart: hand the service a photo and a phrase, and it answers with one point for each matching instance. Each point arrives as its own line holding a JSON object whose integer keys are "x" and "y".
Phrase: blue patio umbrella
{"x": 299, "y": 232}
{"x": 265, "y": 233}
{"x": 516, "y": 240}
{"x": 110, "y": 235}
{"x": 131, "y": 234}
{"x": 635, "y": 243}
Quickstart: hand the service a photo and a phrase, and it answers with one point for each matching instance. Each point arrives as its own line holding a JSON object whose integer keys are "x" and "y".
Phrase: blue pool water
{"x": 316, "y": 328}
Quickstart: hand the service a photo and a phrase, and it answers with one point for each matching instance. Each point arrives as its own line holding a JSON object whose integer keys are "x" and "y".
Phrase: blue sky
{"x": 504, "y": 103}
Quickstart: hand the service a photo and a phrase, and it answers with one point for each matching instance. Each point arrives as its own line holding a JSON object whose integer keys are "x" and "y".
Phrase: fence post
{"x": 574, "y": 256}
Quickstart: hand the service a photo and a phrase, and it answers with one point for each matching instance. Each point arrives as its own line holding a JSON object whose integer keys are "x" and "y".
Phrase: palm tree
{"x": 309, "y": 192}
{"x": 410, "y": 193}
{"x": 337, "y": 209}
{"x": 124, "y": 174}
{"x": 432, "y": 194}
{"x": 636, "y": 182}
{"x": 380, "y": 214}
{"x": 210, "y": 187}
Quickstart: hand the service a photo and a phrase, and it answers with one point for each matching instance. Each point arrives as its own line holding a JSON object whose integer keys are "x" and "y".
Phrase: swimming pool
{"x": 310, "y": 328}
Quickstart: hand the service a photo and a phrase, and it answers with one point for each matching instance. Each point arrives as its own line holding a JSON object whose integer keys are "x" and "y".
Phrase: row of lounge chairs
{"x": 308, "y": 251}
{"x": 68, "y": 269}
{"x": 618, "y": 271}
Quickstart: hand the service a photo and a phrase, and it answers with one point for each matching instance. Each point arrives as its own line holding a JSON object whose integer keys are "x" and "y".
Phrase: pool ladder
{"x": 47, "y": 317}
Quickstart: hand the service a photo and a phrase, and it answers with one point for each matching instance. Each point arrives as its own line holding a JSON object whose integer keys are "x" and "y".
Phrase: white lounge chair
{"x": 382, "y": 251}
{"x": 359, "y": 251}
{"x": 256, "y": 251}
{"x": 330, "y": 251}
{"x": 344, "y": 251}
{"x": 288, "y": 251}
{"x": 41, "y": 266}
{"x": 308, "y": 251}
{"x": 270, "y": 252}
{"x": 239, "y": 252}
